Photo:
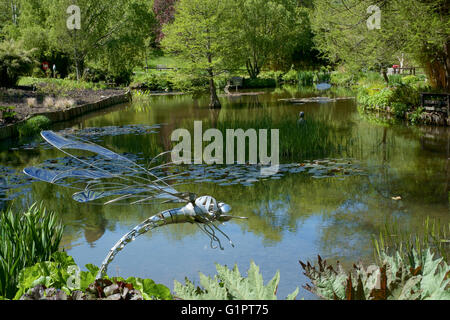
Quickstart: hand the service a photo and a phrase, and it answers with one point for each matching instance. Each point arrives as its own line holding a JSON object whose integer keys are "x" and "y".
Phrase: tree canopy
{"x": 419, "y": 29}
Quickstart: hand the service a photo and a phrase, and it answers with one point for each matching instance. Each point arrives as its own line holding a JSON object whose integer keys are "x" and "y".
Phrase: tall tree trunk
{"x": 447, "y": 65}
{"x": 253, "y": 69}
{"x": 385, "y": 76}
{"x": 214, "y": 102}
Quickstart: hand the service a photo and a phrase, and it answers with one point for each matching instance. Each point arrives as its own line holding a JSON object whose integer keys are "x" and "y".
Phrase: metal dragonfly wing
{"x": 106, "y": 175}
{"x": 115, "y": 178}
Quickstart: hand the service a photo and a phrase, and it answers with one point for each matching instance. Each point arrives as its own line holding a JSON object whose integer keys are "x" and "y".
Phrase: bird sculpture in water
{"x": 301, "y": 118}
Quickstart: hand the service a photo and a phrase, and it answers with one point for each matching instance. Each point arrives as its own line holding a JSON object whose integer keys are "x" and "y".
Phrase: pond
{"x": 342, "y": 176}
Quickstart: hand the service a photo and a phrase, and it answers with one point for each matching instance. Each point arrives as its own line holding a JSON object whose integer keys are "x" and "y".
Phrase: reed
{"x": 26, "y": 238}
{"x": 306, "y": 78}
{"x": 314, "y": 139}
{"x": 432, "y": 234}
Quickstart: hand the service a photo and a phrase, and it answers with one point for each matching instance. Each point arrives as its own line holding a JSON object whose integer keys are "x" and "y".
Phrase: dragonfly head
{"x": 209, "y": 206}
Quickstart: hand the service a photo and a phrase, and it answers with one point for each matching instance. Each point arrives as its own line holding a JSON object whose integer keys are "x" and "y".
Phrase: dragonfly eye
{"x": 207, "y": 204}
{"x": 224, "y": 208}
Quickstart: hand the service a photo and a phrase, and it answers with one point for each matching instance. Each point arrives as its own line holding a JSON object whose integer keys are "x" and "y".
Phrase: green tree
{"x": 267, "y": 30}
{"x": 15, "y": 61}
{"x": 200, "y": 35}
{"x": 113, "y": 31}
{"x": 418, "y": 28}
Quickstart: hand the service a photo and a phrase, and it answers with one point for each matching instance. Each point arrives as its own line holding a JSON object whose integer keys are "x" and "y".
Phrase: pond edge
{"x": 11, "y": 130}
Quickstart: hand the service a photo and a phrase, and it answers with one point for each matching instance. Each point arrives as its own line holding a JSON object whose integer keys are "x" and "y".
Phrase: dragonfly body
{"x": 130, "y": 181}
{"x": 202, "y": 210}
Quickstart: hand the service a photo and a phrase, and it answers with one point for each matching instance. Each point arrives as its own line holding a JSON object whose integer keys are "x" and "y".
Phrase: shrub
{"x": 34, "y": 126}
{"x": 7, "y": 114}
{"x": 275, "y": 75}
{"x": 406, "y": 94}
{"x": 57, "y": 274}
{"x": 291, "y": 76}
{"x": 415, "y": 116}
{"x": 322, "y": 77}
{"x": 400, "y": 98}
{"x": 374, "y": 98}
{"x": 14, "y": 62}
{"x": 410, "y": 80}
{"x": 344, "y": 79}
{"x": 396, "y": 279}
{"x": 399, "y": 109}
{"x": 259, "y": 83}
{"x": 27, "y": 238}
{"x": 395, "y": 79}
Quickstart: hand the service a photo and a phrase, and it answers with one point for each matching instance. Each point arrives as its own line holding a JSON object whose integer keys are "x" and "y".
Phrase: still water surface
{"x": 294, "y": 216}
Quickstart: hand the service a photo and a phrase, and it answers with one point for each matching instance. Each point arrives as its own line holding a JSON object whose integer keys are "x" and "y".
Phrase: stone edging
{"x": 11, "y": 130}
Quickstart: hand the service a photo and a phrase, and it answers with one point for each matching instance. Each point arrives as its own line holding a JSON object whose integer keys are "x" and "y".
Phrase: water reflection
{"x": 295, "y": 217}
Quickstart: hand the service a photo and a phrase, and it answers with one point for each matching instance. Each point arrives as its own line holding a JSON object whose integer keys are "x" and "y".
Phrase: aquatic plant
{"x": 393, "y": 238}
{"x": 421, "y": 278}
{"x": 27, "y": 238}
{"x": 305, "y": 78}
{"x": 316, "y": 139}
{"x": 230, "y": 285}
{"x": 33, "y": 126}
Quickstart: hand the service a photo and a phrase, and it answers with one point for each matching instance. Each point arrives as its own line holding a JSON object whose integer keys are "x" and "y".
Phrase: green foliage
{"x": 155, "y": 81}
{"x": 399, "y": 109}
{"x": 306, "y": 78}
{"x": 414, "y": 29}
{"x": 291, "y": 76}
{"x": 398, "y": 100}
{"x": 170, "y": 81}
{"x": 264, "y": 31}
{"x": 431, "y": 234}
{"x": 230, "y": 285}
{"x": 14, "y": 62}
{"x": 374, "y": 98}
{"x": 420, "y": 278}
{"x": 34, "y": 126}
{"x": 27, "y": 238}
{"x": 259, "y": 83}
{"x": 7, "y": 114}
{"x": 51, "y": 86}
{"x": 51, "y": 272}
{"x": 318, "y": 139}
{"x": 395, "y": 79}
{"x": 415, "y": 116}
{"x": 61, "y": 272}
{"x": 344, "y": 79}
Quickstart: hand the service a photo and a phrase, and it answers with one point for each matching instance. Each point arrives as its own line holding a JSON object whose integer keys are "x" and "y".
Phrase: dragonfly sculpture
{"x": 113, "y": 178}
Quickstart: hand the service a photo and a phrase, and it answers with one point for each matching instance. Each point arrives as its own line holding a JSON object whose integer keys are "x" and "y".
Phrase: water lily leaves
{"x": 248, "y": 175}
